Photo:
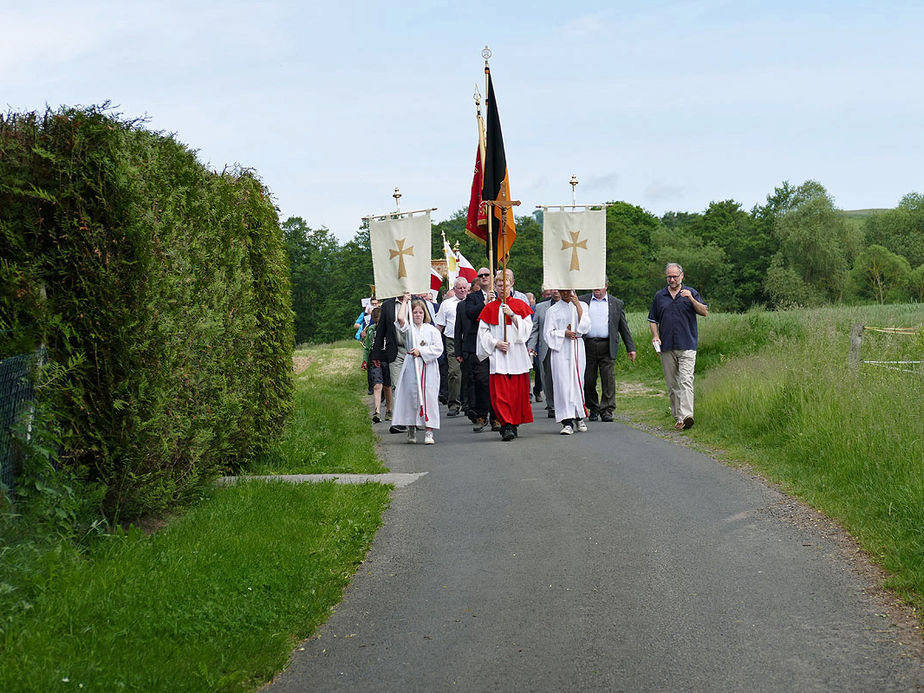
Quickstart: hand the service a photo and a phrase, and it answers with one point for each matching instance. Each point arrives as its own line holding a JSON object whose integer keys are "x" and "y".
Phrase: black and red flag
{"x": 491, "y": 173}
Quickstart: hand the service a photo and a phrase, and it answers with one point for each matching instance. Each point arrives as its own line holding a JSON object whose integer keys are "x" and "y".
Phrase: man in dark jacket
{"x": 479, "y": 372}
{"x": 388, "y": 349}
{"x": 601, "y": 344}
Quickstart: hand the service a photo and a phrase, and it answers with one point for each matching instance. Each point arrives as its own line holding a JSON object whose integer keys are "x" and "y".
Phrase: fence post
{"x": 856, "y": 341}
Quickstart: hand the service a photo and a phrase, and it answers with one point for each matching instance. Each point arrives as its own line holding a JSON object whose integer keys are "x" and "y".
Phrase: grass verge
{"x": 774, "y": 390}
{"x": 217, "y": 599}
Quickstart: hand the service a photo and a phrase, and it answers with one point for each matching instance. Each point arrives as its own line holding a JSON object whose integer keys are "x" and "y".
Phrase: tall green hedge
{"x": 163, "y": 285}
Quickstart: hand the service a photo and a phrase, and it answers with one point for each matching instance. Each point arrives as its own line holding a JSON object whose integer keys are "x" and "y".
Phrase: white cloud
{"x": 660, "y": 191}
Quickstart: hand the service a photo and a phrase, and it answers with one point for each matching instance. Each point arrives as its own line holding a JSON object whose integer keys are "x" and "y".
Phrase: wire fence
{"x": 16, "y": 407}
{"x": 856, "y": 342}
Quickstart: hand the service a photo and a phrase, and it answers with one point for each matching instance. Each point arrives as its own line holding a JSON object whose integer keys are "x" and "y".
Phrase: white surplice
{"x": 517, "y": 359}
{"x": 567, "y": 357}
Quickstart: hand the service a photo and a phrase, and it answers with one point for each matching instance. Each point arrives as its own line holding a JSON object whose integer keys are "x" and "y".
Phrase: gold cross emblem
{"x": 574, "y": 245}
{"x": 400, "y": 253}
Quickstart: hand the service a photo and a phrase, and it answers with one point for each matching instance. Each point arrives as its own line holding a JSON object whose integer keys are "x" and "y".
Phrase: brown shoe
{"x": 679, "y": 425}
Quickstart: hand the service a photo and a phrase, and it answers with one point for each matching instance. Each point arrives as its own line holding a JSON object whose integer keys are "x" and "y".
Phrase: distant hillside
{"x": 861, "y": 213}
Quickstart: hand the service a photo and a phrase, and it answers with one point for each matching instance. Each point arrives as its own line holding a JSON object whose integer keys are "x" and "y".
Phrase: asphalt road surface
{"x": 612, "y": 560}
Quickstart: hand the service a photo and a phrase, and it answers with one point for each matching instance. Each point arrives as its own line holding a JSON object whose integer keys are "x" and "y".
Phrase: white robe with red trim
{"x": 407, "y": 410}
{"x": 567, "y": 357}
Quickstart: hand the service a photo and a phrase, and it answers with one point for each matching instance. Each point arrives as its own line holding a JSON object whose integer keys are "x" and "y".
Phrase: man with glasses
{"x": 479, "y": 386}
{"x": 672, "y": 320}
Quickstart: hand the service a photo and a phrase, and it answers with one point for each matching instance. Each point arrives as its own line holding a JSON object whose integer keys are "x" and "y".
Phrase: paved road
{"x": 607, "y": 561}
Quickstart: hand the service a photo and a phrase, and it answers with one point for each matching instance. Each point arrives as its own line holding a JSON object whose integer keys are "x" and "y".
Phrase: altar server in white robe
{"x": 565, "y": 324}
{"x": 416, "y": 400}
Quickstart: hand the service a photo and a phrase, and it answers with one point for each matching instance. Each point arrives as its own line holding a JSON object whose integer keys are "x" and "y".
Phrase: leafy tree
{"x": 786, "y": 289}
{"x": 348, "y": 281}
{"x": 900, "y": 230}
{"x": 679, "y": 220}
{"x": 916, "y": 284}
{"x": 881, "y": 274}
{"x": 812, "y": 237}
{"x": 630, "y": 262}
{"x": 526, "y": 255}
{"x": 748, "y": 247}
{"x": 311, "y": 255}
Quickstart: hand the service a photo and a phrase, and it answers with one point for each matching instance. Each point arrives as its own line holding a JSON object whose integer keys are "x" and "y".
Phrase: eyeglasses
{"x": 673, "y": 276}
{"x": 486, "y": 274}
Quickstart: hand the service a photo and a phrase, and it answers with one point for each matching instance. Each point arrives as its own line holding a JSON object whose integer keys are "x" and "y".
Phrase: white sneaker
{"x": 566, "y": 430}
{"x": 582, "y": 427}
{"x": 412, "y": 435}
{"x": 428, "y": 438}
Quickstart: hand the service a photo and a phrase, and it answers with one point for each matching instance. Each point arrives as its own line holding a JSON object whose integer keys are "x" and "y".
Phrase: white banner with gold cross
{"x": 573, "y": 248}
{"x": 400, "y": 245}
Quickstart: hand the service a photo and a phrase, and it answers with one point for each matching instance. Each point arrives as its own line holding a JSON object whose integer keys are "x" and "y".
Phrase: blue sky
{"x": 667, "y": 105}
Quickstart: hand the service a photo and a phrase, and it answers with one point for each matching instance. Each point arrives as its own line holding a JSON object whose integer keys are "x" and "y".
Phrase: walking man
{"x": 672, "y": 319}
{"x": 539, "y": 349}
{"x": 479, "y": 389}
{"x": 389, "y": 349}
{"x": 446, "y": 323}
{"x": 607, "y": 323}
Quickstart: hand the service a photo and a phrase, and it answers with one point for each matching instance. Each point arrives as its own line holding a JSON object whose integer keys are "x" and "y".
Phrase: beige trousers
{"x": 678, "y": 367}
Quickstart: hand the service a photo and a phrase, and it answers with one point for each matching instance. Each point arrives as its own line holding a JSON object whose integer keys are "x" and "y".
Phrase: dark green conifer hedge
{"x": 159, "y": 286}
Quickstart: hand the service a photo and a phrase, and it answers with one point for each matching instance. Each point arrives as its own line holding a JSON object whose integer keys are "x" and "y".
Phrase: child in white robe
{"x": 416, "y": 400}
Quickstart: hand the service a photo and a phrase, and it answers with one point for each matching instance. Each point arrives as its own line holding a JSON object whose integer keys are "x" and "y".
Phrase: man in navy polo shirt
{"x": 672, "y": 319}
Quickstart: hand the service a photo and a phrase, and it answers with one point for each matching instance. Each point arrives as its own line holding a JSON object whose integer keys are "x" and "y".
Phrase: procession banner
{"x": 400, "y": 253}
{"x": 573, "y": 248}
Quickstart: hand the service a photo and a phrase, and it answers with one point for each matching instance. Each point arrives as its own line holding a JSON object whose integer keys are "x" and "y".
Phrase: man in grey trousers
{"x": 538, "y": 348}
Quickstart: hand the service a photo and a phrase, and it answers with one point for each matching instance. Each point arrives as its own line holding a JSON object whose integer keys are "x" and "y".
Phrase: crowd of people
{"x": 476, "y": 350}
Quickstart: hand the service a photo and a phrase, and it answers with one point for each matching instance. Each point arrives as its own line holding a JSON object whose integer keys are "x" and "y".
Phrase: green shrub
{"x": 164, "y": 282}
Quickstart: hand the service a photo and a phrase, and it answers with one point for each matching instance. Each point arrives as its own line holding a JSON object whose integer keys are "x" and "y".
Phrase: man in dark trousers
{"x": 601, "y": 344}
{"x": 388, "y": 350}
{"x": 479, "y": 400}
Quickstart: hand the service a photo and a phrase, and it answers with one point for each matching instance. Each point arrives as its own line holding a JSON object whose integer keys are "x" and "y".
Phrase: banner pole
{"x": 486, "y": 54}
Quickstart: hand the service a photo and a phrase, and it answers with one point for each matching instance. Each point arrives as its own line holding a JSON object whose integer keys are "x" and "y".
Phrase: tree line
{"x": 796, "y": 249}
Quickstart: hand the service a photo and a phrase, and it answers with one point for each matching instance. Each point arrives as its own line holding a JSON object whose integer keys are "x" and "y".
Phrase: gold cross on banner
{"x": 400, "y": 253}
{"x": 574, "y": 245}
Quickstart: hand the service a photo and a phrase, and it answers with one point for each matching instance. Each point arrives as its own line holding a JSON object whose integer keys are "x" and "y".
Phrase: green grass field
{"x": 217, "y": 599}
{"x": 774, "y": 390}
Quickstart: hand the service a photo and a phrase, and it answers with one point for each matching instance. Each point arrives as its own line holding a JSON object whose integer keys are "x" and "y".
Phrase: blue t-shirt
{"x": 676, "y": 319}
